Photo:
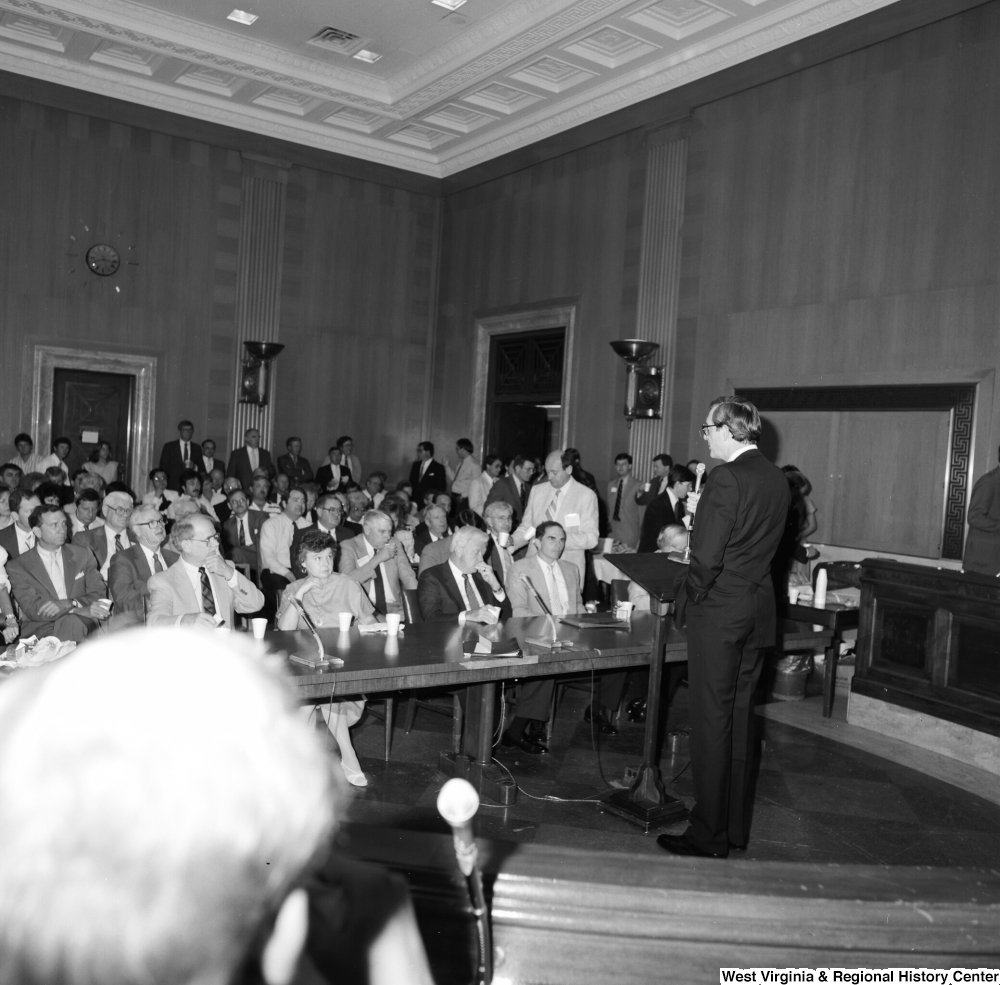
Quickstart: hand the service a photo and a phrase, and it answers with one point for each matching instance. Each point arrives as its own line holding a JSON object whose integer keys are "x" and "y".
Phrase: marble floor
{"x": 818, "y": 799}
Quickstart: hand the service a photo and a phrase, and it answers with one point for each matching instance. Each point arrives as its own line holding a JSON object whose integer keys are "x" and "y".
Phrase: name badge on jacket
{"x": 572, "y": 520}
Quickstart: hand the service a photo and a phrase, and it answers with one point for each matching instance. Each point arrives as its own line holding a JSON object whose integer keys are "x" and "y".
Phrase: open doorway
{"x": 524, "y": 393}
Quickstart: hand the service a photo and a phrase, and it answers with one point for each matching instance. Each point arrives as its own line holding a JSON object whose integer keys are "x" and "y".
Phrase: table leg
{"x": 830, "y": 675}
{"x": 475, "y": 762}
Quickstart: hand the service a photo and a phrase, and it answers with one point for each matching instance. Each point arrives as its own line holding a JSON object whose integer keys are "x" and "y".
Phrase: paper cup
{"x": 503, "y": 538}
{"x": 607, "y": 545}
{"x": 793, "y": 595}
{"x": 623, "y": 611}
{"x": 392, "y": 620}
{"x": 259, "y": 627}
{"x": 344, "y": 619}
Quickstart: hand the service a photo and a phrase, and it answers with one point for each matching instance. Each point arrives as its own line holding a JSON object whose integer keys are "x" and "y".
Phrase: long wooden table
{"x": 430, "y": 655}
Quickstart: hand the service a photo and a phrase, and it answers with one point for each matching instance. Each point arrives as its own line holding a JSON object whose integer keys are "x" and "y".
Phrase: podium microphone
{"x": 699, "y": 471}
{"x": 457, "y": 803}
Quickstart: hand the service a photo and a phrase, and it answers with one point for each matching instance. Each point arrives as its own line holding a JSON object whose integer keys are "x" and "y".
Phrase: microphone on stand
{"x": 457, "y": 803}
{"x": 312, "y": 627}
{"x": 541, "y": 602}
{"x": 699, "y": 471}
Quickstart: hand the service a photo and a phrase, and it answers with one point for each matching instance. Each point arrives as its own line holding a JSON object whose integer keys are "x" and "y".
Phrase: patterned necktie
{"x": 550, "y": 513}
{"x": 207, "y": 599}
{"x": 157, "y": 563}
{"x": 618, "y": 501}
{"x": 118, "y": 543}
{"x": 239, "y": 532}
{"x": 470, "y": 592}
{"x": 524, "y": 497}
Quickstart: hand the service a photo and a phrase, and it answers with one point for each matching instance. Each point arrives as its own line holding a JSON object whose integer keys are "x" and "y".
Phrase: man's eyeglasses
{"x": 206, "y": 540}
{"x": 150, "y": 523}
{"x": 121, "y": 510}
{"x": 705, "y": 427}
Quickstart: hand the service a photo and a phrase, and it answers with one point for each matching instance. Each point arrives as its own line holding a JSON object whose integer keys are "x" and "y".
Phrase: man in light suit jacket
{"x": 200, "y": 589}
{"x": 114, "y": 535}
{"x": 739, "y": 518}
{"x": 249, "y": 457}
{"x": 514, "y": 487}
{"x": 57, "y": 585}
{"x": 982, "y": 548}
{"x": 131, "y": 569}
{"x": 179, "y": 455}
{"x": 377, "y": 562}
{"x": 626, "y": 515}
{"x": 557, "y": 582}
{"x": 444, "y": 590}
{"x": 570, "y": 503}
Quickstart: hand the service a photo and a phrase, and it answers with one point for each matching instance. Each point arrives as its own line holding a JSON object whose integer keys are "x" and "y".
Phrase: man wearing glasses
{"x": 241, "y": 531}
{"x": 114, "y": 536}
{"x": 130, "y": 570}
{"x": 201, "y": 589}
{"x": 738, "y": 520}
{"x": 329, "y": 520}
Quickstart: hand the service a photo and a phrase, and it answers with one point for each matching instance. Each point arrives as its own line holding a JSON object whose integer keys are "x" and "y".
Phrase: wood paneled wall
{"x": 557, "y": 230}
{"x": 358, "y": 281}
{"x": 843, "y": 227}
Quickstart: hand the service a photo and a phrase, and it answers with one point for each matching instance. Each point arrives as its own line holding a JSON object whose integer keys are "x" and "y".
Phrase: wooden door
{"x": 91, "y": 407}
{"x": 519, "y": 429}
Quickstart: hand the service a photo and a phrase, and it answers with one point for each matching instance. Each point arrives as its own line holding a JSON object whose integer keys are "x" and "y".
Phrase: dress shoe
{"x": 524, "y": 743}
{"x": 354, "y": 777}
{"x": 679, "y": 845}
{"x": 735, "y": 846}
{"x": 600, "y": 721}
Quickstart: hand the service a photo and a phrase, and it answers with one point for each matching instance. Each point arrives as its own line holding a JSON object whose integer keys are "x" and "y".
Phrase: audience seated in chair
{"x": 241, "y": 532}
{"x": 201, "y": 588}
{"x": 18, "y": 537}
{"x": 324, "y": 595}
{"x": 463, "y": 588}
{"x": 377, "y": 561}
{"x": 86, "y": 515}
{"x": 56, "y": 584}
{"x": 129, "y": 570}
{"x": 275, "y": 545}
{"x": 115, "y": 535}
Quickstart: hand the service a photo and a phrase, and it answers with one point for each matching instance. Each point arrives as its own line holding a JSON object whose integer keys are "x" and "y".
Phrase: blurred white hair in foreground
{"x": 158, "y": 799}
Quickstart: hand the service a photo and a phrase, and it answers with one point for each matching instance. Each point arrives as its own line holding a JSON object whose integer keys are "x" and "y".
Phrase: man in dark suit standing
{"x": 426, "y": 474}
{"x": 666, "y": 508}
{"x": 180, "y": 455}
{"x": 464, "y": 588}
{"x": 294, "y": 465}
{"x": 514, "y": 487}
{"x": 245, "y": 460}
{"x": 739, "y": 519}
{"x": 982, "y": 548}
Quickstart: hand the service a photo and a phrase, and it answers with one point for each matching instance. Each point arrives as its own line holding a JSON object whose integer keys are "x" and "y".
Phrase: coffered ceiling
{"x": 408, "y": 83}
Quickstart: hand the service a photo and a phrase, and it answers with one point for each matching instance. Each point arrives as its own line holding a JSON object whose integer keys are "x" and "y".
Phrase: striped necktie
{"x": 617, "y": 515}
{"x": 550, "y": 513}
{"x": 207, "y": 598}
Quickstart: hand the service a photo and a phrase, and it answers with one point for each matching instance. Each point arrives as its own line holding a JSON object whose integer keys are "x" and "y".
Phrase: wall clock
{"x": 103, "y": 260}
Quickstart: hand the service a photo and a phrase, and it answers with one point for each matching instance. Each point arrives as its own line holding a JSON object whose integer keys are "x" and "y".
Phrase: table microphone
{"x": 312, "y": 627}
{"x": 541, "y": 602}
{"x": 457, "y": 803}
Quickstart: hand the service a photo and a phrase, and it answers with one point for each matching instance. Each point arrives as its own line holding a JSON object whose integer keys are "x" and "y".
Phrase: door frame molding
{"x": 555, "y": 314}
{"x": 49, "y": 358}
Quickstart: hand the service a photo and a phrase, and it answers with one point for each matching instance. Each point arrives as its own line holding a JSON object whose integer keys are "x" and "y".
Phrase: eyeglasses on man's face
{"x": 150, "y": 523}
{"x": 705, "y": 427}
{"x": 206, "y": 540}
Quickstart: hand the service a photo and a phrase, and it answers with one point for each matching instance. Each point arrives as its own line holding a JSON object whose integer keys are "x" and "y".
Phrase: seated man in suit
{"x": 537, "y": 585}
{"x": 464, "y": 587}
{"x": 201, "y": 589}
{"x": 57, "y": 585}
{"x": 113, "y": 536}
{"x": 434, "y": 528}
{"x": 667, "y": 507}
{"x": 499, "y": 518}
{"x": 88, "y": 506}
{"x": 249, "y": 457}
{"x": 241, "y": 532}
{"x": 129, "y": 570}
{"x": 293, "y": 464}
{"x": 19, "y": 537}
{"x": 377, "y": 562}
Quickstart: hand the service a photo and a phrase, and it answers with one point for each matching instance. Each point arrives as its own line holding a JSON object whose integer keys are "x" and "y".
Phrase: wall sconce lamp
{"x": 644, "y": 384}
{"x": 255, "y": 371}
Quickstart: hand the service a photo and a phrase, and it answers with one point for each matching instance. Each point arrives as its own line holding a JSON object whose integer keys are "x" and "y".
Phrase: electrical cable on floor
{"x": 552, "y": 798}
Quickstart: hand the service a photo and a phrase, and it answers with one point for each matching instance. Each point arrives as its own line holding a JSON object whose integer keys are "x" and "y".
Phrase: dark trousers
{"x": 272, "y": 586}
{"x": 723, "y": 668}
{"x": 609, "y": 689}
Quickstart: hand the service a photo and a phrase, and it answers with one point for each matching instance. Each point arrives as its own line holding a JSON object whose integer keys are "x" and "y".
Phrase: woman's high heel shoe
{"x": 355, "y": 777}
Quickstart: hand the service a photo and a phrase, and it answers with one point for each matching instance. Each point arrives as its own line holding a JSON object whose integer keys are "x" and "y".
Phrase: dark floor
{"x": 816, "y": 800}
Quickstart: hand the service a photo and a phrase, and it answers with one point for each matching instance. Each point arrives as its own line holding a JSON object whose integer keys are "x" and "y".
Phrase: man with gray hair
{"x": 377, "y": 562}
{"x": 161, "y": 808}
{"x": 130, "y": 570}
{"x": 464, "y": 586}
{"x": 113, "y": 536}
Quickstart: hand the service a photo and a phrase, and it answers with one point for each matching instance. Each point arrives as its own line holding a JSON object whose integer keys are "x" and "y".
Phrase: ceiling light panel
{"x": 364, "y": 55}
{"x": 448, "y": 4}
{"x": 242, "y": 17}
